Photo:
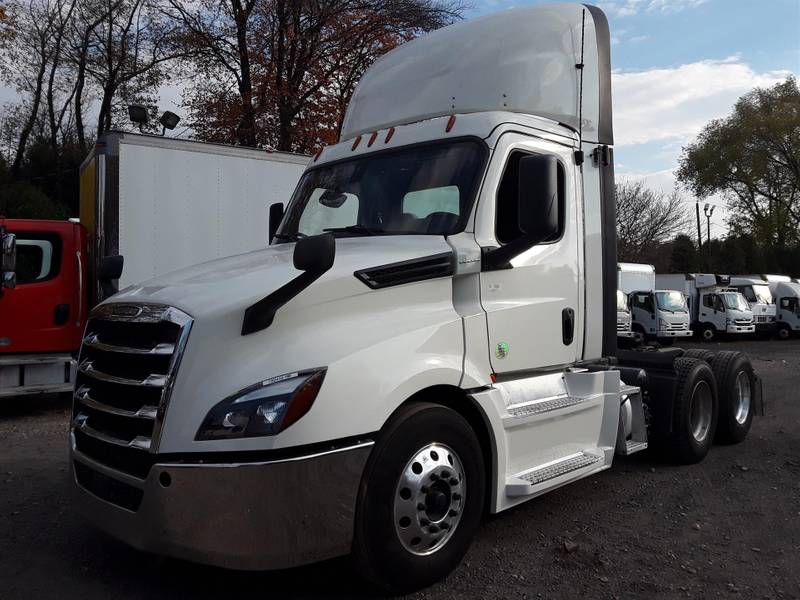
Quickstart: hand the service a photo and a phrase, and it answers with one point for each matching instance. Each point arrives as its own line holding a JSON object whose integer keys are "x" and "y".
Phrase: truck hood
{"x": 238, "y": 281}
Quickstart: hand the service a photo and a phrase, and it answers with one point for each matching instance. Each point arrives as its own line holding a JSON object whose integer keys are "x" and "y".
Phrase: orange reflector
{"x": 450, "y": 122}
{"x": 356, "y": 142}
{"x": 493, "y": 377}
{"x": 372, "y": 138}
{"x": 389, "y": 135}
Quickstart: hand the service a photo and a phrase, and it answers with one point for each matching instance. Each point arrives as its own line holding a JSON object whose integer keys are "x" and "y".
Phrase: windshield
{"x": 762, "y": 293}
{"x": 672, "y": 301}
{"x": 622, "y": 301}
{"x": 735, "y": 301}
{"x": 420, "y": 190}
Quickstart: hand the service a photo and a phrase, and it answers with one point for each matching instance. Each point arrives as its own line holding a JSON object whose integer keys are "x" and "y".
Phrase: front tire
{"x": 708, "y": 333}
{"x": 421, "y": 499}
{"x": 736, "y": 384}
{"x": 784, "y": 332}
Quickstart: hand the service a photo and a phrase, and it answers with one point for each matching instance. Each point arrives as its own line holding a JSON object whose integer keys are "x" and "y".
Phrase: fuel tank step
{"x": 525, "y": 483}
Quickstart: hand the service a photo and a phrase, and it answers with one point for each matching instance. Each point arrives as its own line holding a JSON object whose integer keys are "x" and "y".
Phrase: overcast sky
{"x": 676, "y": 64}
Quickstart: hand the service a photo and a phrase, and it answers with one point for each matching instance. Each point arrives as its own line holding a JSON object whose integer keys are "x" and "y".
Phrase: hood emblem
{"x": 126, "y": 310}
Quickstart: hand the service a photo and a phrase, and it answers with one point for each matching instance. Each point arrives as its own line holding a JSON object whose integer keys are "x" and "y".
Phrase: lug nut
{"x": 434, "y": 477}
{"x": 424, "y": 489}
{"x": 421, "y": 506}
{"x": 424, "y": 522}
{"x": 445, "y": 474}
{"x": 445, "y": 525}
{"x": 456, "y": 496}
{"x": 453, "y": 513}
{"x": 453, "y": 481}
{"x": 433, "y": 529}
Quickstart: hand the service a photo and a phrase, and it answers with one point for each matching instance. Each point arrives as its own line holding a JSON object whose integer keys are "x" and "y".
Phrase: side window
{"x": 422, "y": 203}
{"x": 640, "y": 301}
{"x": 785, "y": 303}
{"x": 708, "y": 300}
{"x": 506, "y": 220}
{"x": 718, "y": 305}
{"x": 38, "y": 257}
{"x": 326, "y": 209}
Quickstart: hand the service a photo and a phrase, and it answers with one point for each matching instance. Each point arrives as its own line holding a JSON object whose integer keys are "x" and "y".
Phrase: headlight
{"x": 728, "y": 322}
{"x": 662, "y": 324}
{"x": 266, "y": 408}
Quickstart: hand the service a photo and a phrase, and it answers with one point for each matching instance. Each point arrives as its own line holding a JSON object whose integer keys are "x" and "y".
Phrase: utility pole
{"x": 708, "y": 214}
{"x": 699, "y": 233}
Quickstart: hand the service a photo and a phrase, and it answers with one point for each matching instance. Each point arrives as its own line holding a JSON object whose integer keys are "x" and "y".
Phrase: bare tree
{"x": 646, "y": 218}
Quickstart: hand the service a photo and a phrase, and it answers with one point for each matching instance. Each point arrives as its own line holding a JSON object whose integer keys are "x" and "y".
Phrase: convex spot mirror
{"x": 538, "y": 196}
{"x": 8, "y": 260}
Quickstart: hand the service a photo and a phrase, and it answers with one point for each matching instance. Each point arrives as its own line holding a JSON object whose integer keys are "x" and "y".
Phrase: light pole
{"x": 708, "y": 214}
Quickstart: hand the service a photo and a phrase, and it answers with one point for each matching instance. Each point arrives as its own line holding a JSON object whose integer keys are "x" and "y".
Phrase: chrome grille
{"x": 128, "y": 360}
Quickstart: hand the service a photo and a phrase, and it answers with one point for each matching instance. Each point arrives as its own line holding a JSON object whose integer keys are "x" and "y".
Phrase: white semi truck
{"x": 431, "y": 337}
{"x": 715, "y": 307}
{"x": 658, "y": 314}
{"x": 758, "y": 295}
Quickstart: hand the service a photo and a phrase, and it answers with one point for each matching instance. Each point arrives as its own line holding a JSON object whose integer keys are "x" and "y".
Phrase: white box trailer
{"x": 167, "y": 203}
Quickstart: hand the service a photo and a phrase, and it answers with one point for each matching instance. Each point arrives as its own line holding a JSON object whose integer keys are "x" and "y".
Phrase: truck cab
{"x": 45, "y": 312}
{"x": 431, "y": 335}
{"x": 624, "y": 320}
{"x": 787, "y": 301}
{"x": 760, "y": 299}
{"x": 726, "y": 310}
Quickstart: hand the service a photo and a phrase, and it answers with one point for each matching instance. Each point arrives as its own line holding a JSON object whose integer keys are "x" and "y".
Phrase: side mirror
{"x": 538, "y": 196}
{"x": 537, "y": 210}
{"x": 315, "y": 254}
{"x": 109, "y": 270}
{"x": 275, "y": 217}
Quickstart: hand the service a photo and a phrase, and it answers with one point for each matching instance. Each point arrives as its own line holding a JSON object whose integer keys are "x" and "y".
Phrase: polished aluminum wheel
{"x": 429, "y": 499}
{"x": 702, "y": 408}
{"x": 743, "y": 397}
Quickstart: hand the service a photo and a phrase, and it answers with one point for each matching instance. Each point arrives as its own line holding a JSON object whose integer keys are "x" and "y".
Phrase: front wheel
{"x": 708, "y": 333}
{"x": 784, "y": 332}
{"x": 420, "y": 500}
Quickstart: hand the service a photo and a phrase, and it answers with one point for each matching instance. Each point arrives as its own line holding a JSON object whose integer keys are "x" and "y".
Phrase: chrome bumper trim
{"x": 255, "y": 516}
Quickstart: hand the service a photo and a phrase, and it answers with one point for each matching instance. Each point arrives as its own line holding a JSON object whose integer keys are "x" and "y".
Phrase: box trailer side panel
{"x": 178, "y": 208}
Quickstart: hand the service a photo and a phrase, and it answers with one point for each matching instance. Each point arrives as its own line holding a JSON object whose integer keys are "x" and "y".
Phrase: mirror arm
{"x": 495, "y": 259}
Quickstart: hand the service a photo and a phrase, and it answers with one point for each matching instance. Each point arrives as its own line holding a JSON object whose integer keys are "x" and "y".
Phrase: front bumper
{"x": 624, "y": 333}
{"x": 674, "y": 333}
{"x": 26, "y": 374}
{"x": 768, "y": 328}
{"x": 740, "y": 328}
{"x": 253, "y": 515}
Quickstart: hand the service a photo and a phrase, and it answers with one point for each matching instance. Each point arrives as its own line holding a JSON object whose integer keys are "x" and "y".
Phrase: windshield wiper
{"x": 356, "y": 229}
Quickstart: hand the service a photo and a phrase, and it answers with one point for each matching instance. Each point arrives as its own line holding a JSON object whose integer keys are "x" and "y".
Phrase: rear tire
{"x": 421, "y": 499}
{"x": 736, "y": 389}
{"x": 694, "y": 411}
{"x": 700, "y": 354}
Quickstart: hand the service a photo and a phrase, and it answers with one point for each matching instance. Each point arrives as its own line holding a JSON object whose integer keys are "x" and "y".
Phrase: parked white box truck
{"x": 658, "y": 314}
{"x": 715, "y": 307}
{"x": 168, "y": 203}
{"x": 785, "y": 292}
{"x": 432, "y": 336}
{"x": 758, "y": 295}
{"x": 624, "y": 319}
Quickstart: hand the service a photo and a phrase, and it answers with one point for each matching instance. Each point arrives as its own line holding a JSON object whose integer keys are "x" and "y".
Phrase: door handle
{"x": 567, "y": 326}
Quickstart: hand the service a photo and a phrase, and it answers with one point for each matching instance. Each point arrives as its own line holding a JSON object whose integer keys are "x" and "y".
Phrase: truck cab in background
{"x": 657, "y": 314}
{"x": 759, "y": 297}
{"x": 624, "y": 321}
{"x": 714, "y": 306}
{"x": 786, "y": 295}
{"x": 43, "y": 315}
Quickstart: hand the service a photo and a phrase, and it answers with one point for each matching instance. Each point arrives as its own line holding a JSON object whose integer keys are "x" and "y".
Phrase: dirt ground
{"x": 728, "y": 527}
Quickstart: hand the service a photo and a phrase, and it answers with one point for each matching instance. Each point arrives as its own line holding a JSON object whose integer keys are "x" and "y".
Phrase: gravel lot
{"x": 728, "y": 527}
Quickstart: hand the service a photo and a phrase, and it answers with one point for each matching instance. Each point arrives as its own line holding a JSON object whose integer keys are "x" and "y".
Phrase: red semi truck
{"x": 43, "y": 304}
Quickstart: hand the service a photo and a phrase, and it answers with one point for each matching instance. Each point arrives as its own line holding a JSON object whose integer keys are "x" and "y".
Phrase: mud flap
{"x": 758, "y": 400}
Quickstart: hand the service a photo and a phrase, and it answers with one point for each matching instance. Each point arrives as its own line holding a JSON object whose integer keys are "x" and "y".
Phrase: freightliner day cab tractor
{"x": 155, "y": 203}
{"x": 658, "y": 314}
{"x": 715, "y": 307}
{"x": 431, "y": 337}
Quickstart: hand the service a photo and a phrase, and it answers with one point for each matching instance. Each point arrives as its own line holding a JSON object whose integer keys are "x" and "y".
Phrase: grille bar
{"x": 153, "y": 380}
{"x": 93, "y": 341}
{"x": 139, "y": 442}
{"x": 145, "y": 412}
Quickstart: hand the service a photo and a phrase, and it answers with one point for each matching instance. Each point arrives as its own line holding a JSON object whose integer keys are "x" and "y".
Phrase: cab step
{"x": 528, "y": 482}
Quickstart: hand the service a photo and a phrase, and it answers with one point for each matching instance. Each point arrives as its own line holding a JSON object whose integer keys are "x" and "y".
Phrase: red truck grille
{"x": 128, "y": 360}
